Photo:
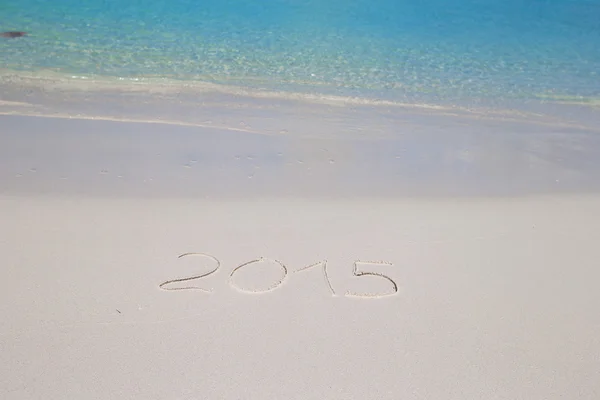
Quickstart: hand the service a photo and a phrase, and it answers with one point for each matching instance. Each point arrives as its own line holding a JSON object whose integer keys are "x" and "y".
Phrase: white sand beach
{"x": 422, "y": 265}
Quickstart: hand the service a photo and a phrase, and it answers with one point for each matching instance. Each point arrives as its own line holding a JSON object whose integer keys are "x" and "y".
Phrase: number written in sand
{"x": 265, "y": 275}
{"x": 184, "y": 283}
{"x": 323, "y": 264}
{"x": 363, "y": 272}
{"x": 261, "y": 266}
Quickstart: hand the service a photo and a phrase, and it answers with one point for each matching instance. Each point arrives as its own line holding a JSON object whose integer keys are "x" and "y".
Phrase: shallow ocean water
{"x": 437, "y": 50}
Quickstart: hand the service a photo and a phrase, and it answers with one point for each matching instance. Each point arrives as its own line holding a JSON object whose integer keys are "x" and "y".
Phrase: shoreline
{"x": 28, "y": 88}
{"x": 295, "y": 145}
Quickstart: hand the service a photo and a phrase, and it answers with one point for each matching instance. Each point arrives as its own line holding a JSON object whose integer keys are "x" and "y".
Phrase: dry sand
{"x": 419, "y": 267}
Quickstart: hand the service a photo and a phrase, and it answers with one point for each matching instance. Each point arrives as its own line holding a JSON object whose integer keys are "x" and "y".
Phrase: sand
{"x": 154, "y": 261}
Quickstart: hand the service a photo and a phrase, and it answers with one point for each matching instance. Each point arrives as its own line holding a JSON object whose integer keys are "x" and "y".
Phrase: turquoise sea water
{"x": 434, "y": 49}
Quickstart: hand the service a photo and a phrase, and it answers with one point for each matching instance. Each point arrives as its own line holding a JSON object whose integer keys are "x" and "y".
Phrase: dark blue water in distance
{"x": 445, "y": 49}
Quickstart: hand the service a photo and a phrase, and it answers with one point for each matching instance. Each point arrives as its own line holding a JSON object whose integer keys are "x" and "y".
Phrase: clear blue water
{"x": 437, "y": 48}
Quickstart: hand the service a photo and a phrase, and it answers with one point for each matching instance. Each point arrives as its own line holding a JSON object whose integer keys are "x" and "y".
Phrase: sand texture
{"x": 151, "y": 261}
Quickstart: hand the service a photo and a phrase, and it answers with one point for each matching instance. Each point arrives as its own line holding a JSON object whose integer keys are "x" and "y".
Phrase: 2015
{"x": 359, "y": 269}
